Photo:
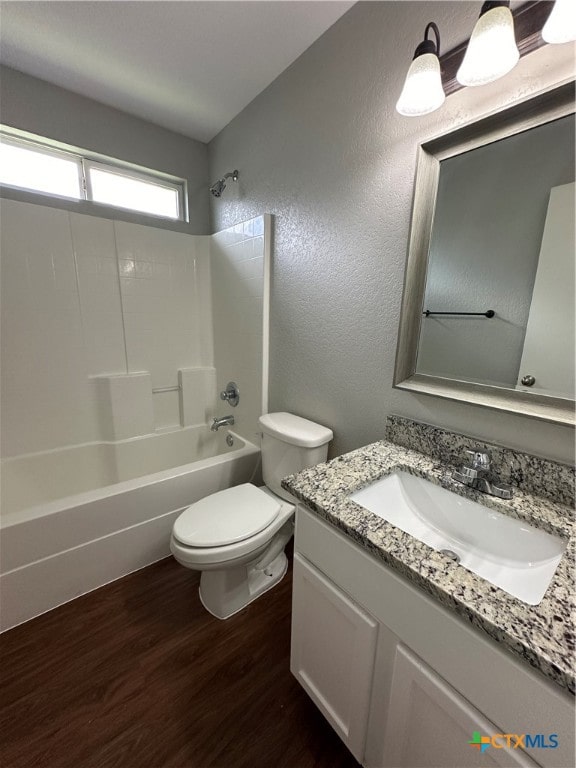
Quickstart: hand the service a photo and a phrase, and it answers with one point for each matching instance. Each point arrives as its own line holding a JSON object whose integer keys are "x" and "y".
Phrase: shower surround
{"x": 116, "y": 339}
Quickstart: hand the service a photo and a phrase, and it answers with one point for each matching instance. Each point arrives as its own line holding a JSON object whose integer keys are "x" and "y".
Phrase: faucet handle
{"x": 231, "y": 394}
{"x": 480, "y": 459}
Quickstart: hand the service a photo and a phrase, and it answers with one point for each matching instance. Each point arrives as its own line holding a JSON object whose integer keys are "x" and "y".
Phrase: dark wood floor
{"x": 139, "y": 675}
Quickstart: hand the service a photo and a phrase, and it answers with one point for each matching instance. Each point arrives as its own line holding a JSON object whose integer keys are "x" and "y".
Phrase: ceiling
{"x": 188, "y": 66}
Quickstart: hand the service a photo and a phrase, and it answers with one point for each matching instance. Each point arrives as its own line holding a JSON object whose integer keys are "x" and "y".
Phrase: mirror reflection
{"x": 503, "y": 241}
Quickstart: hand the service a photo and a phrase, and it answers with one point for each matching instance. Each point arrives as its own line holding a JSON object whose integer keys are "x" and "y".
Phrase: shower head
{"x": 219, "y": 186}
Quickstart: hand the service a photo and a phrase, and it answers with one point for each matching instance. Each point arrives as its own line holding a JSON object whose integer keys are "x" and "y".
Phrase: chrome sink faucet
{"x": 477, "y": 475}
{"x": 223, "y": 421}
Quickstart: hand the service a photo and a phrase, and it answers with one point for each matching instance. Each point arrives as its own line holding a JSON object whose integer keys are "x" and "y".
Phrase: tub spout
{"x": 223, "y": 421}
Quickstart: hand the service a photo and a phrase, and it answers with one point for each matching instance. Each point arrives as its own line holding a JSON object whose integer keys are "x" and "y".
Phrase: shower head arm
{"x": 233, "y": 175}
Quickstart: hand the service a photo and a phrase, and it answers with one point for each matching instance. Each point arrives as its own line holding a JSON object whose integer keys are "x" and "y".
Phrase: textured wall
{"x": 39, "y": 107}
{"x": 323, "y": 149}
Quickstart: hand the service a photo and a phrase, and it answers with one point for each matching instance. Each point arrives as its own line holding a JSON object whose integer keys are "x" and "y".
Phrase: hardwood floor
{"x": 139, "y": 675}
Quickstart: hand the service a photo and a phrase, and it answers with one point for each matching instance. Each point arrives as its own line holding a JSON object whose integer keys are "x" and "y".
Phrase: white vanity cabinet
{"x": 404, "y": 681}
{"x": 332, "y": 653}
{"x": 430, "y": 725}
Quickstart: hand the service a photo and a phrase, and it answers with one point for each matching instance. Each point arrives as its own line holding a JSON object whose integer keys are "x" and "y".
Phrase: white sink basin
{"x": 507, "y": 552}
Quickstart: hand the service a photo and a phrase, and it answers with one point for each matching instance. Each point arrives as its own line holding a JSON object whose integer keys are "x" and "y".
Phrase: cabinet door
{"x": 430, "y": 725}
{"x": 332, "y": 653}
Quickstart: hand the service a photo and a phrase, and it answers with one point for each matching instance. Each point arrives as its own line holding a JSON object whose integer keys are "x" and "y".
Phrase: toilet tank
{"x": 290, "y": 444}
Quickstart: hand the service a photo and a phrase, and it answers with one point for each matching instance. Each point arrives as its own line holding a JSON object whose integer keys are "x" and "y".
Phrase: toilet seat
{"x": 217, "y": 556}
{"x": 226, "y": 517}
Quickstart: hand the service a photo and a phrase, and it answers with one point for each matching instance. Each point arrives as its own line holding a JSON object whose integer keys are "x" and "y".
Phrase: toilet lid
{"x": 226, "y": 517}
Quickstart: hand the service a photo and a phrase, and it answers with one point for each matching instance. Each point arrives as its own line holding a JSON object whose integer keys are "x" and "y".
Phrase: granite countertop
{"x": 542, "y": 635}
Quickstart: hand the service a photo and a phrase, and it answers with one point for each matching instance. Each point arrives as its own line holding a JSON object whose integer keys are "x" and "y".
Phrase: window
{"x": 116, "y": 188}
{"x": 37, "y": 167}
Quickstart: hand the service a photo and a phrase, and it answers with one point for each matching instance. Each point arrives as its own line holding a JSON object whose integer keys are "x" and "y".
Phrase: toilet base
{"x": 224, "y": 593}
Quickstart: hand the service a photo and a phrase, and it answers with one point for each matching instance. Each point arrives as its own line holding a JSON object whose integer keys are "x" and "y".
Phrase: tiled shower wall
{"x": 239, "y": 298}
{"x": 85, "y": 297}
{"x": 165, "y": 289}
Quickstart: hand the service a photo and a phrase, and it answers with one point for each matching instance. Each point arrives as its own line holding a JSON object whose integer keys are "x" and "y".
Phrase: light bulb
{"x": 422, "y": 92}
{"x": 561, "y": 24}
{"x": 492, "y": 50}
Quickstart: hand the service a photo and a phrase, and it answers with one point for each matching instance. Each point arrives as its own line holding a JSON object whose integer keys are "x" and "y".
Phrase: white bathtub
{"x": 77, "y": 518}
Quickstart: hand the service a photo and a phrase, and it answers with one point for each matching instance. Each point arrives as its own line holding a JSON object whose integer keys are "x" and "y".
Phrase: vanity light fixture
{"x": 492, "y": 50}
{"x": 423, "y": 92}
{"x": 561, "y": 24}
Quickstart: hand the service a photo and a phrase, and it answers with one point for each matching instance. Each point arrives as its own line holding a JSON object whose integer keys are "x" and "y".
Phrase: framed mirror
{"x": 488, "y": 306}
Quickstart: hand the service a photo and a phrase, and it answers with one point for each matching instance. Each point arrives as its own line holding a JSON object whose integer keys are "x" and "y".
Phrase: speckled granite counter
{"x": 542, "y": 635}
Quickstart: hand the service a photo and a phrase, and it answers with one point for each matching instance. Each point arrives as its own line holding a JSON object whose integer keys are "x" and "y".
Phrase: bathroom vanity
{"x": 411, "y": 657}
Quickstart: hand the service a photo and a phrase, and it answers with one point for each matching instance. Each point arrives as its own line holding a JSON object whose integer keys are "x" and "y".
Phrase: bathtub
{"x": 77, "y": 518}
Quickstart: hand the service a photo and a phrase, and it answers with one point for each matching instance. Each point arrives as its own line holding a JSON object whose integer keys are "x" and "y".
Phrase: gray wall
{"x": 488, "y": 227}
{"x": 325, "y": 152}
{"x": 36, "y": 106}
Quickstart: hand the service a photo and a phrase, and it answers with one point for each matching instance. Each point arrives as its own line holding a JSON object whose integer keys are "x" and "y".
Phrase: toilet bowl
{"x": 236, "y": 537}
{"x": 236, "y": 567}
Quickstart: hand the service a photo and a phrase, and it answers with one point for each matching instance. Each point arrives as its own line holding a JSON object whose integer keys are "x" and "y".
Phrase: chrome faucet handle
{"x": 477, "y": 475}
{"x": 231, "y": 394}
{"x": 502, "y": 490}
{"x": 480, "y": 460}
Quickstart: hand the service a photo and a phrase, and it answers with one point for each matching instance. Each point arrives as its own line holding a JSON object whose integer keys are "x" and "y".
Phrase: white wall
{"x": 238, "y": 264}
{"x": 323, "y": 149}
{"x": 83, "y": 297}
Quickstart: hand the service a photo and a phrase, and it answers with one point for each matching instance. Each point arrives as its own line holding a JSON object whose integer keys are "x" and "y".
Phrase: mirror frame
{"x": 547, "y": 106}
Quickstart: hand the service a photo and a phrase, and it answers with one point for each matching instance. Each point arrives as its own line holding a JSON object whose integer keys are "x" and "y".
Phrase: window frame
{"x": 86, "y": 160}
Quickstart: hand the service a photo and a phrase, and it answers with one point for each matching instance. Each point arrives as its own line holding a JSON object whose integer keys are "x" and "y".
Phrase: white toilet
{"x": 237, "y": 537}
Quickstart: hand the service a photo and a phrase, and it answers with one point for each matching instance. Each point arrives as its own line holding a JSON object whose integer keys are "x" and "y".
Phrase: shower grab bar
{"x": 175, "y": 388}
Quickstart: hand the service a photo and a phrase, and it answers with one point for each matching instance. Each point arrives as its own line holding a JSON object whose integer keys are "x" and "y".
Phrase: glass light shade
{"x": 422, "y": 92}
{"x": 492, "y": 50}
{"x": 561, "y": 24}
